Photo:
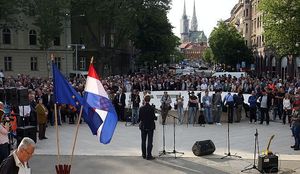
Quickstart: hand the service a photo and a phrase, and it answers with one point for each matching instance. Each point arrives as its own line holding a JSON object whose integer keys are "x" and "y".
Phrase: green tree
{"x": 179, "y": 56}
{"x": 49, "y": 16}
{"x": 153, "y": 35}
{"x": 10, "y": 14}
{"x": 105, "y": 26}
{"x": 208, "y": 56}
{"x": 281, "y": 22}
{"x": 228, "y": 46}
{"x": 144, "y": 22}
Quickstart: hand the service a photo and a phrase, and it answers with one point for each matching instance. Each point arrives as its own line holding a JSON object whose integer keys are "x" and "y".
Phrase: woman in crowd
{"x": 4, "y": 130}
{"x": 179, "y": 103}
{"x": 287, "y": 108}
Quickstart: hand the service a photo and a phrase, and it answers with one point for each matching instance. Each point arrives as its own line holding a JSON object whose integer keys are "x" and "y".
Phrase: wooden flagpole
{"x": 92, "y": 60}
{"x": 57, "y": 134}
{"x": 76, "y": 134}
{"x": 56, "y": 125}
{"x": 77, "y": 128}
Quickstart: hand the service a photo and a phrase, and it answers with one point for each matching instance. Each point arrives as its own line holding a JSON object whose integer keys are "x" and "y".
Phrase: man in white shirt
{"x": 17, "y": 162}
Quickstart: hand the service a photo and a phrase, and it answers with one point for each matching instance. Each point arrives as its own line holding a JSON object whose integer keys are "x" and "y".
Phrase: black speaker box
{"x": 268, "y": 163}
{"x": 23, "y": 121}
{"x": 201, "y": 148}
{"x": 2, "y": 95}
{"x": 11, "y": 96}
{"x": 26, "y": 131}
{"x": 23, "y": 99}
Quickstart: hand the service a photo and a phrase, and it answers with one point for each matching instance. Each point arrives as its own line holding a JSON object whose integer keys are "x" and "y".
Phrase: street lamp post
{"x": 81, "y": 46}
{"x": 297, "y": 66}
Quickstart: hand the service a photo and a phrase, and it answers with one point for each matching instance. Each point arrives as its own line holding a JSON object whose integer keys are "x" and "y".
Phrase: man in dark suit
{"x": 147, "y": 126}
{"x": 18, "y": 160}
{"x": 119, "y": 102}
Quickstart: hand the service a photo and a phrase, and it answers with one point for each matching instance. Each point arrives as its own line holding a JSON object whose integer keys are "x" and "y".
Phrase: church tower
{"x": 194, "y": 23}
{"x": 184, "y": 26}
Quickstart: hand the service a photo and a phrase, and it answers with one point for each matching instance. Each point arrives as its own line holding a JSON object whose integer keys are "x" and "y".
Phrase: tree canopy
{"x": 208, "y": 56}
{"x": 142, "y": 21}
{"x": 48, "y": 17}
{"x": 153, "y": 33}
{"x": 10, "y": 14}
{"x": 281, "y": 22}
{"x": 228, "y": 46}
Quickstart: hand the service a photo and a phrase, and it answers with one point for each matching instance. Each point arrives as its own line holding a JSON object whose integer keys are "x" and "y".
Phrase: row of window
{"x": 254, "y": 7}
{"x": 8, "y": 61}
{"x": 259, "y": 41}
{"x": 32, "y": 35}
{"x": 256, "y": 24}
{"x": 34, "y": 63}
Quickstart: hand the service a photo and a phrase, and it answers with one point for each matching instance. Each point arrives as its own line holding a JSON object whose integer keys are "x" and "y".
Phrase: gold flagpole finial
{"x": 92, "y": 59}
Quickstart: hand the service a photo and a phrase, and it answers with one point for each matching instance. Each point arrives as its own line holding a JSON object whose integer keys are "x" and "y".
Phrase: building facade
{"x": 194, "y": 42}
{"x": 247, "y": 18}
{"x": 20, "y": 52}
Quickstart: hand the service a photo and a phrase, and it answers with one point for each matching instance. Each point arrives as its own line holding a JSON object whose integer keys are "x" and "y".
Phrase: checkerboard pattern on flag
{"x": 100, "y": 108}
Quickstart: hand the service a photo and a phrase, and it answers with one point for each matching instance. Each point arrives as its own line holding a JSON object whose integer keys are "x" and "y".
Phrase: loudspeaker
{"x": 2, "y": 94}
{"x": 26, "y": 131}
{"x": 268, "y": 163}
{"x": 201, "y": 148}
{"x": 23, "y": 99}
{"x": 11, "y": 96}
{"x": 22, "y": 121}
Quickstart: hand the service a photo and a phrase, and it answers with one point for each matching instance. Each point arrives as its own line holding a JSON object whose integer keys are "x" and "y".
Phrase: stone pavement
{"x": 123, "y": 153}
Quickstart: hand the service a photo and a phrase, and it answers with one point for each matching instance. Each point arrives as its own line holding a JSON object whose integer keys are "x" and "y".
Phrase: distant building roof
{"x": 197, "y": 37}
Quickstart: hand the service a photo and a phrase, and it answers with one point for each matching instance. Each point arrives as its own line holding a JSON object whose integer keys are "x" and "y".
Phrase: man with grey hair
{"x": 17, "y": 162}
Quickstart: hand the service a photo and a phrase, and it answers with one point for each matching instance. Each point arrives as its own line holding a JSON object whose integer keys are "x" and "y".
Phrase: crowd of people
{"x": 277, "y": 95}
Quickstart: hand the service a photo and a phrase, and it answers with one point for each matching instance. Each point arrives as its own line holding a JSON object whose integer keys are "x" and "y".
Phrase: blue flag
{"x": 64, "y": 93}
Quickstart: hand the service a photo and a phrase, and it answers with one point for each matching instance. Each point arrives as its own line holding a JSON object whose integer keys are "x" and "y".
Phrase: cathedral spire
{"x": 184, "y": 11}
{"x": 194, "y": 23}
{"x": 184, "y": 26}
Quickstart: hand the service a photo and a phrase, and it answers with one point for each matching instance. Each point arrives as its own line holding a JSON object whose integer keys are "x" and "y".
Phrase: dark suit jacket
{"x": 123, "y": 98}
{"x": 147, "y": 117}
{"x": 117, "y": 99}
{"x": 48, "y": 104}
{"x": 8, "y": 166}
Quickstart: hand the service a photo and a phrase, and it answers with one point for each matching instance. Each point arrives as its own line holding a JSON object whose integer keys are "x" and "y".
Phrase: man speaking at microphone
{"x": 147, "y": 126}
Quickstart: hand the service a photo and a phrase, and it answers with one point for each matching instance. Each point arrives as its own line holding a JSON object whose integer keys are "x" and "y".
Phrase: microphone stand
{"x": 174, "y": 136}
{"x": 195, "y": 117}
{"x": 186, "y": 116}
{"x": 163, "y": 152}
{"x": 228, "y": 141}
{"x": 254, "y": 154}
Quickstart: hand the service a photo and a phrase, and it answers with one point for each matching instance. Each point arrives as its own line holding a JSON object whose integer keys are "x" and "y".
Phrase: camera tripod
{"x": 254, "y": 154}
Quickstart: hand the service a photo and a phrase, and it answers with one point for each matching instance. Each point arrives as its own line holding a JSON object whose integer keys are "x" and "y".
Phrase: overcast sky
{"x": 208, "y": 12}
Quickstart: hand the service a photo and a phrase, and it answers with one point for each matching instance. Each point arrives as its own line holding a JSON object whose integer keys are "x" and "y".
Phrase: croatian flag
{"x": 99, "y": 111}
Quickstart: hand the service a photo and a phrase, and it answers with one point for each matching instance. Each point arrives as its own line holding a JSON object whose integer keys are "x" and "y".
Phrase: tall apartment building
{"x": 247, "y": 18}
{"x": 20, "y": 52}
